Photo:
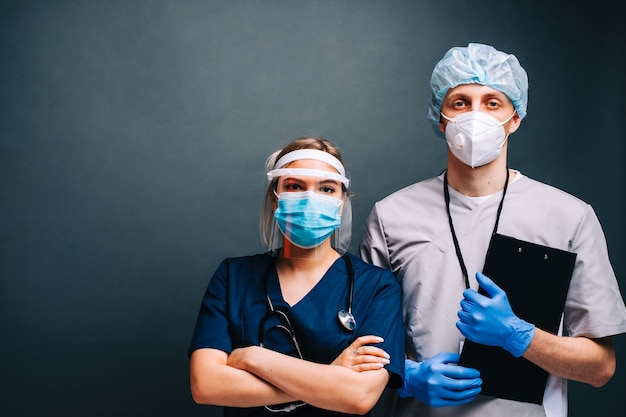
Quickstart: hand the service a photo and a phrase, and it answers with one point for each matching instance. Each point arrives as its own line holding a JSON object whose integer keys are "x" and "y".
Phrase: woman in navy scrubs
{"x": 304, "y": 328}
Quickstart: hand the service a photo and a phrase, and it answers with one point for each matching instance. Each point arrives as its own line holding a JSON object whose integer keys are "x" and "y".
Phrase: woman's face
{"x": 325, "y": 186}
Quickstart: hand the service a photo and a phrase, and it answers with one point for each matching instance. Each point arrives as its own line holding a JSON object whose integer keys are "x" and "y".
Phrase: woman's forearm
{"x": 325, "y": 386}
{"x": 214, "y": 382}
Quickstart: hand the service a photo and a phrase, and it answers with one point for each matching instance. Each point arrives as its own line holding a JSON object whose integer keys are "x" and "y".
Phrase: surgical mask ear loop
{"x": 509, "y": 119}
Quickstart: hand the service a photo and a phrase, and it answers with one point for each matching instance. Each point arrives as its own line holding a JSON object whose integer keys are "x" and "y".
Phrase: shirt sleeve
{"x": 211, "y": 329}
{"x": 384, "y": 319}
{"x": 594, "y": 306}
{"x": 373, "y": 247}
{"x": 390, "y": 306}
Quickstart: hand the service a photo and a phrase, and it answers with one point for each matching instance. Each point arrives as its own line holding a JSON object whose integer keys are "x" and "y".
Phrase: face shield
{"x": 310, "y": 203}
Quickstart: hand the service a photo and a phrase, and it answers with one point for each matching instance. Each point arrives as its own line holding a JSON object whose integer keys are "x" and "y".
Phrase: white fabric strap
{"x": 305, "y": 172}
{"x": 311, "y": 154}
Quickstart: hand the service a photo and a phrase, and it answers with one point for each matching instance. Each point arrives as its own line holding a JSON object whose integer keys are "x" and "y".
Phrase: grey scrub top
{"x": 408, "y": 232}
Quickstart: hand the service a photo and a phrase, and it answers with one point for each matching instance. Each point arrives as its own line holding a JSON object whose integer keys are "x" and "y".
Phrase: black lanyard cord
{"x": 459, "y": 255}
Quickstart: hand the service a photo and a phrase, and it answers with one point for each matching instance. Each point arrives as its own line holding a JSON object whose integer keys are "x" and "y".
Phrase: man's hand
{"x": 439, "y": 381}
{"x": 489, "y": 320}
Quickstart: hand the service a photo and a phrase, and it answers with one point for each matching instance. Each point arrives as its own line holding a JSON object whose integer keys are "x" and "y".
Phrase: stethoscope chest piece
{"x": 347, "y": 320}
{"x": 345, "y": 317}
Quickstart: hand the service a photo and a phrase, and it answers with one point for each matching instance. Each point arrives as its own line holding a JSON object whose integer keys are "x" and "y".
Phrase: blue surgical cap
{"x": 478, "y": 64}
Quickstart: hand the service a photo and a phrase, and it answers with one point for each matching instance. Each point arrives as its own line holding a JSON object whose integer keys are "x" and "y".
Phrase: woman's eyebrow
{"x": 329, "y": 181}
{"x": 293, "y": 179}
{"x": 320, "y": 181}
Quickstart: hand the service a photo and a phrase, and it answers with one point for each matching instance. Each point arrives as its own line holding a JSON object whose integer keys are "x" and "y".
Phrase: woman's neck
{"x": 299, "y": 269}
{"x": 294, "y": 259}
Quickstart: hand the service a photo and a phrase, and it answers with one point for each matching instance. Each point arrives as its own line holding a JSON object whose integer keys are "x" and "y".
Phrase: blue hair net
{"x": 478, "y": 64}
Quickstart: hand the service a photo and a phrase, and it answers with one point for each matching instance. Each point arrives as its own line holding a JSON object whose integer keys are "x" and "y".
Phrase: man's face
{"x": 475, "y": 97}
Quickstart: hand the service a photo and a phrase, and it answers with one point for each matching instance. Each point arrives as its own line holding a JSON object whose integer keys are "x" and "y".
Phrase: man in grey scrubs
{"x": 434, "y": 236}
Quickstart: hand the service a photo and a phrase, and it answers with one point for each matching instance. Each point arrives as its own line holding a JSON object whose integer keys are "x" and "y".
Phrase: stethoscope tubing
{"x": 285, "y": 325}
{"x": 284, "y": 317}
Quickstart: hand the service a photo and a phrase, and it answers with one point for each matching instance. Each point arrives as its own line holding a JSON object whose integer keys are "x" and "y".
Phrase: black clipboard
{"x": 536, "y": 279}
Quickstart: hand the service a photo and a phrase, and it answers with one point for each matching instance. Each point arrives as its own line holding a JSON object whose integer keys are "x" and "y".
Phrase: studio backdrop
{"x": 133, "y": 136}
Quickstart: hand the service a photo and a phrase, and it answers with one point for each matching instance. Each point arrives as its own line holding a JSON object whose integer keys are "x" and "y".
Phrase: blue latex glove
{"x": 439, "y": 381}
{"x": 490, "y": 320}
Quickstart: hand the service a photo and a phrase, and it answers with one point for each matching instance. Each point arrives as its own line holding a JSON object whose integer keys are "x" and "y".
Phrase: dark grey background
{"x": 132, "y": 142}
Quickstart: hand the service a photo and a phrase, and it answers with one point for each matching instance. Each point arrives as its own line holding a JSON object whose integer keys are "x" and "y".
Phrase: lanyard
{"x": 459, "y": 255}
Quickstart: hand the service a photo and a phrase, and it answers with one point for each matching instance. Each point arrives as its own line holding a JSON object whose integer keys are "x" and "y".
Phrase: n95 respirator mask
{"x": 475, "y": 138}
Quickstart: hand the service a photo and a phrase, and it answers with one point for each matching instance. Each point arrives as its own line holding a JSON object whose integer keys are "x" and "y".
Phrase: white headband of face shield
{"x": 309, "y": 154}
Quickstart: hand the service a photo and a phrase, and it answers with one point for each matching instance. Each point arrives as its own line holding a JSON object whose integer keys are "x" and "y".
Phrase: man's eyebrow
{"x": 497, "y": 95}
{"x": 456, "y": 95}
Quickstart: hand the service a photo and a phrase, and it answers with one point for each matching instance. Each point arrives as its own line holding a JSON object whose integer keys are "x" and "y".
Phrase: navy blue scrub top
{"x": 235, "y": 302}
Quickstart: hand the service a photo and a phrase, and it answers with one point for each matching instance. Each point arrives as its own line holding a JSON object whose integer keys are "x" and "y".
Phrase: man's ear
{"x": 442, "y": 125}
{"x": 514, "y": 123}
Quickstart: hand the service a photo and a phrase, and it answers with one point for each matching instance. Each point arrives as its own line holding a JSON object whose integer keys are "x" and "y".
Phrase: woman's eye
{"x": 293, "y": 187}
{"x": 327, "y": 189}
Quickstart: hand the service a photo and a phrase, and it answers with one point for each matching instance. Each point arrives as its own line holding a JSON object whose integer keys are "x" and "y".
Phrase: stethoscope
{"x": 345, "y": 317}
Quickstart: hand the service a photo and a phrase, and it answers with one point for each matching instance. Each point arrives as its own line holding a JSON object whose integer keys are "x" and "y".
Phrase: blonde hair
{"x": 269, "y": 234}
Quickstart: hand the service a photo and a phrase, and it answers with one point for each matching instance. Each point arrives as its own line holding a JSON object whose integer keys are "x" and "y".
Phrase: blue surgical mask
{"x": 307, "y": 218}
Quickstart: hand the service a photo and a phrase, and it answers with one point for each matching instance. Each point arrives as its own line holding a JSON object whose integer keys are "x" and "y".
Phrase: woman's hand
{"x": 239, "y": 357}
{"x": 360, "y": 357}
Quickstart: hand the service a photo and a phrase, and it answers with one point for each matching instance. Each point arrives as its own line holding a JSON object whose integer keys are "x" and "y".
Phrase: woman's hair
{"x": 269, "y": 234}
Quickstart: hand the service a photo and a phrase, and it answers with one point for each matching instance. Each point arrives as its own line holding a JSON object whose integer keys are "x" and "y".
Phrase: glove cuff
{"x": 520, "y": 337}
{"x": 411, "y": 386}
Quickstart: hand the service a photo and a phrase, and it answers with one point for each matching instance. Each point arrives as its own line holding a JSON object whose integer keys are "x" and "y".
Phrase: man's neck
{"x": 477, "y": 182}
